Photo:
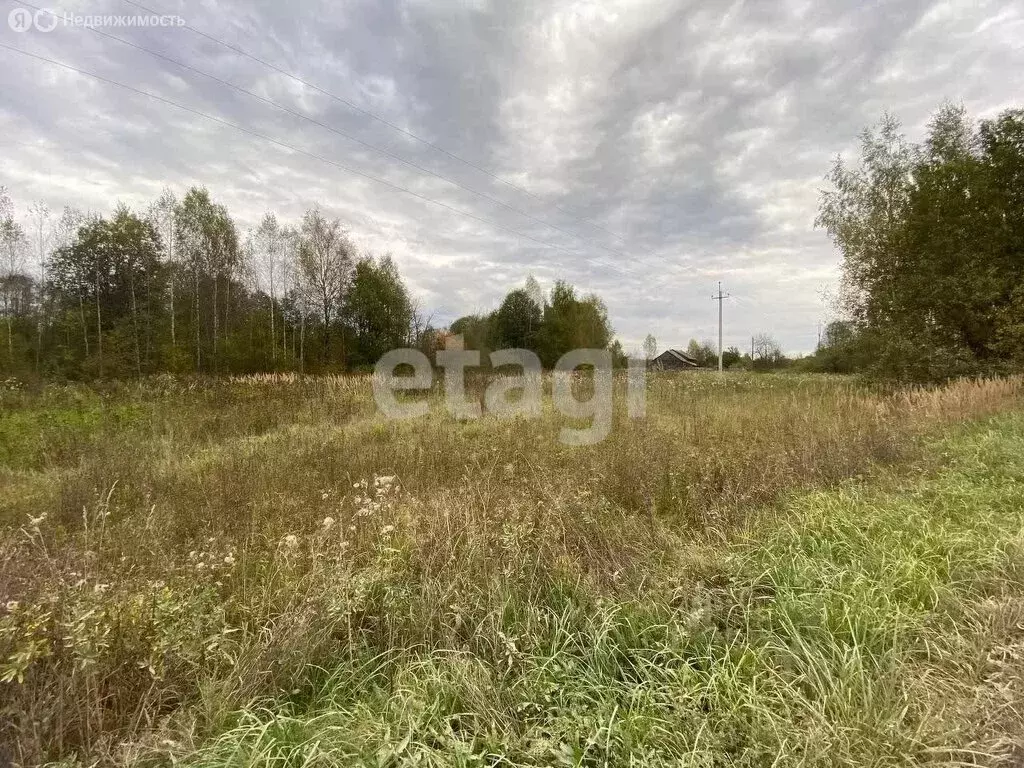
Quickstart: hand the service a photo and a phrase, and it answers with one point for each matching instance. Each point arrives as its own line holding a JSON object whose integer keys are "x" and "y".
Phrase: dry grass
{"x": 178, "y": 554}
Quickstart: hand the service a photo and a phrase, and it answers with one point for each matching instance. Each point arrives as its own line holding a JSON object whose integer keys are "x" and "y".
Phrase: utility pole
{"x": 720, "y": 298}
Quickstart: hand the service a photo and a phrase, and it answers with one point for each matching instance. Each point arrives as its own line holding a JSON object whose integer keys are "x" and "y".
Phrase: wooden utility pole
{"x": 720, "y": 298}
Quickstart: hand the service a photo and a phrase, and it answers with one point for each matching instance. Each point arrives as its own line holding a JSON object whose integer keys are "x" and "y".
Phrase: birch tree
{"x": 163, "y": 216}
{"x": 325, "y": 260}
{"x": 207, "y": 242}
{"x": 268, "y": 250}
{"x": 13, "y": 245}
{"x": 650, "y": 346}
{"x": 64, "y": 233}
{"x": 39, "y": 218}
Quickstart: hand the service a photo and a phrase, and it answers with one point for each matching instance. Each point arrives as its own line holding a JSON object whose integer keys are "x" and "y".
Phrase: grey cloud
{"x": 698, "y": 134}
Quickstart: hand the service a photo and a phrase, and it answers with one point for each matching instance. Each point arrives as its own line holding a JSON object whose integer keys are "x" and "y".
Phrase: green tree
{"x": 517, "y": 321}
{"x": 208, "y": 249}
{"x": 378, "y": 309}
{"x": 767, "y": 352}
{"x": 619, "y": 357}
{"x": 932, "y": 238}
{"x": 843, "y": 349}
{"x": 477, "y": 332}
{"x": 572, "y": 323}
{"x": 704, "y": 352}
{"x": 1002, "y": 147}
{"x": 731, "y": 357}
{"x": 113, "y": 265}
{"x": 15, "y": 285}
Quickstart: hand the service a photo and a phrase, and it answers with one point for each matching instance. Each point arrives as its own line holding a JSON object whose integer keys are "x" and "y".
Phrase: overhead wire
{"x": 306, "y": 153}
{"x": 374, "y": 116}
{"x": 314, "y": 121}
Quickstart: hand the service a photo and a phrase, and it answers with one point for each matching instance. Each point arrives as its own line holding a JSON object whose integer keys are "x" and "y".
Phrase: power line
{"x": 297, "y": 150}
{"x": 768, "y": 321}
{"x": 749, "y": 304}
{"x": 378, "y": 118}
{"x": 334, "y": 130}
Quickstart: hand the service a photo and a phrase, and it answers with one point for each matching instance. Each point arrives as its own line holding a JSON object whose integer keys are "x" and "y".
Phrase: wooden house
{"x": 674, "y": 360}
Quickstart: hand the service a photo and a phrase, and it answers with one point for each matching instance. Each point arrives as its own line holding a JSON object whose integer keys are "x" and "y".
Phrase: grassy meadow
{"x": 766, "y": 570}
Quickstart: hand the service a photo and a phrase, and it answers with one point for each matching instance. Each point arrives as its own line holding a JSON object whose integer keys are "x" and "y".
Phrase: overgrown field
{"x": 764, "y": 571}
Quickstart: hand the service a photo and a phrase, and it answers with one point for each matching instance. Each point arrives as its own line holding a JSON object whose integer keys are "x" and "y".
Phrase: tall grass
{"x": 262, "y": 570}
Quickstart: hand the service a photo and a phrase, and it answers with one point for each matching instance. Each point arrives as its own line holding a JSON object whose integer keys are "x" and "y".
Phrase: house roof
{"x": 680, "y": 356}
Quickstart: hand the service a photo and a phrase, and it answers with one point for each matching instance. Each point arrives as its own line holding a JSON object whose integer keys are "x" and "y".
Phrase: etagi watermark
{"x": 46, "y": 20}
{"x": 497, "y": 401}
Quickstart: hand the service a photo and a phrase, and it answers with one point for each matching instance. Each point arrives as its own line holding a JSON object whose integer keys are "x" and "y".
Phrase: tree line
{"x": 548, "y": 325}
{"x": 177, "y": 288}
{"x": 931, "y": 236}
{"x": 932, "y": 240}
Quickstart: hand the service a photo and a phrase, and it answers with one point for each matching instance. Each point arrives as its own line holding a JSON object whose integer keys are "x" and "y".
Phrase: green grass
{"x": 768, "y": 570}
{"x": 849, "y": 627}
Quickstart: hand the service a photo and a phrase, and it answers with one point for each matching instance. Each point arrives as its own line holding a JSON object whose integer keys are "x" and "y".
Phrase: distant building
{"x": 674, "y": 360}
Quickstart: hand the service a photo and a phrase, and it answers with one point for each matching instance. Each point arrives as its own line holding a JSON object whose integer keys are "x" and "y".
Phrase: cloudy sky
{"x": 641, "y": 149}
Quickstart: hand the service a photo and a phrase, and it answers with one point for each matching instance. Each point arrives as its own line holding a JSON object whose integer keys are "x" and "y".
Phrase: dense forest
{"x": 177, "y": 288}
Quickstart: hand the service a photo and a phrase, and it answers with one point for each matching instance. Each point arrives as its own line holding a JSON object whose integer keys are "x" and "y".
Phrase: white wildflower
{"x": 230, "y": 559}
{"x": 328, "y": 523}
{"x": 291, "y": 541}
{"x": 387, "y": 529}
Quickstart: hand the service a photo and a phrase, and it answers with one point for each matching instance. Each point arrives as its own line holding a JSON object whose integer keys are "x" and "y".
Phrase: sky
{"x": 643, "y": 150}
